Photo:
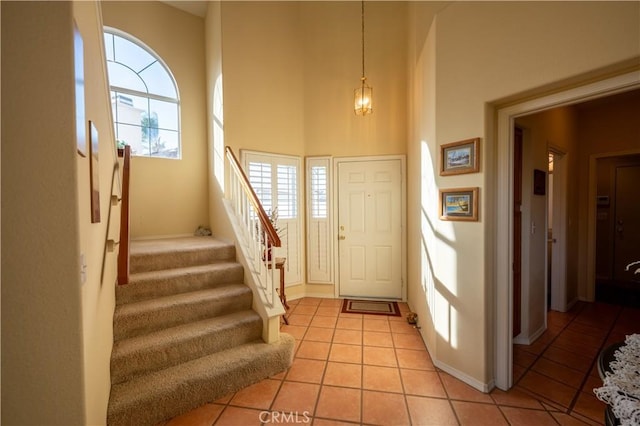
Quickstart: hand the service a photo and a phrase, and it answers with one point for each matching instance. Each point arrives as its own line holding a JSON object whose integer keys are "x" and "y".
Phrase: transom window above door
{"x": 144, "y": 97}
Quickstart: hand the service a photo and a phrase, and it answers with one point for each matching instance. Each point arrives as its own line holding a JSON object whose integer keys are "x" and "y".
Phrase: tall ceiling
{"x": 196, "y": 7}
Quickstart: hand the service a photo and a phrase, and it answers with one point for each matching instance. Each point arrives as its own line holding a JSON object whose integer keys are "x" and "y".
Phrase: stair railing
{"x": 123, "y": 253}
{"x": 259, "y": 237}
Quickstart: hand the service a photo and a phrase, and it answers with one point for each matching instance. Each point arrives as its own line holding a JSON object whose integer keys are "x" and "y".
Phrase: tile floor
{"x": 374, "y": 370}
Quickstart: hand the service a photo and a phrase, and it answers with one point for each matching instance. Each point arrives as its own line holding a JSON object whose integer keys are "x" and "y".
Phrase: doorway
{"x": 370, "y": 203}
{"x": 627, "y": 224}
{"x": 503, "y": 235}
{"x": 557, "y": 231}
{"x": 618, "y": 230}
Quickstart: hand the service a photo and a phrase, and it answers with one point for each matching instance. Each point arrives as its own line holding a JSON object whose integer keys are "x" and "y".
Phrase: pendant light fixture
{"x": 363, "y": 101}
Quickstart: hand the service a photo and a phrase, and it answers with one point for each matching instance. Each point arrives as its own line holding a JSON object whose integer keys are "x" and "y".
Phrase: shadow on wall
{"x": 441, "y": 302}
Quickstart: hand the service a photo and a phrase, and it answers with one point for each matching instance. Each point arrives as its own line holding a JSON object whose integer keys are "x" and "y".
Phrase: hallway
{"x": 559, "y": 368}
{"x": 375, "y": 370}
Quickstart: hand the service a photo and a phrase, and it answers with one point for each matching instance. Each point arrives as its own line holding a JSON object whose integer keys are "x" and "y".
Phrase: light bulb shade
{"x": 363, "y": 99}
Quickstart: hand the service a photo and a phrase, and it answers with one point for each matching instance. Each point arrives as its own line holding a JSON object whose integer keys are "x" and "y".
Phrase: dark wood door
{"x": 626, "y": 254}
{"x": 517, "y": 230}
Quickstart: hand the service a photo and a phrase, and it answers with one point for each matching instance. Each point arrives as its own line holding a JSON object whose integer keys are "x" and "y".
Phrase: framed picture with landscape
{"x": 458, "y": 204}
{"x": 460, "y": 157}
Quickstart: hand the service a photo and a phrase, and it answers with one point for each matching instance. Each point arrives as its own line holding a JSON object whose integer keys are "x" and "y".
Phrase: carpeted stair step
{"x": 168, "y": 253}
{"x": 153, "y": 284}
{"x": 159, "y": 396}
{"x": 134, "y": 319}
{"x": 155, "y": 351}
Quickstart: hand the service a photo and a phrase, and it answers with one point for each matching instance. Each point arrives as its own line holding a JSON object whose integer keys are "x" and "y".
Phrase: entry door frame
{"x": 503, "y": 360}
{"x": 559, "y": 233}
{"x": 403, "y": 214}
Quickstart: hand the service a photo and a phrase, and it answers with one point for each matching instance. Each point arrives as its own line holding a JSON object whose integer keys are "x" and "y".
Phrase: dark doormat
{"x": 372, "y": 307}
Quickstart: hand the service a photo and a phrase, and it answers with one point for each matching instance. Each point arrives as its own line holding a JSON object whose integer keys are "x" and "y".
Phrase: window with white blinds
{"x": 276, "y": 181}
{"x": 259, "y": 175}
{"x": 318, "y": 181}
{"x": 319, "y": 241}
{"x": 287, "y": 192}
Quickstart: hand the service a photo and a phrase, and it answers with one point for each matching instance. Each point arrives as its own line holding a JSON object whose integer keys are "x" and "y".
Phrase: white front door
{"x": 370, "y": 228}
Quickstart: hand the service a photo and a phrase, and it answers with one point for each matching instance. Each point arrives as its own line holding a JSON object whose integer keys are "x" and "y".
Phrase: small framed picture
{"x": 460, "y": 157}
{"x": 539, "y": 182}
{"x": 458, "y": 204}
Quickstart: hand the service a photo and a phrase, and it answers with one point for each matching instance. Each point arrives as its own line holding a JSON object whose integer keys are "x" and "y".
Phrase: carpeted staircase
{"x": 184, "y": 332}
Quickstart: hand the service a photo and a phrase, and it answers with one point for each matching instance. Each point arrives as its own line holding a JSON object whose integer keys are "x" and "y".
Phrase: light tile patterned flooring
{"x": 375, "y": 370}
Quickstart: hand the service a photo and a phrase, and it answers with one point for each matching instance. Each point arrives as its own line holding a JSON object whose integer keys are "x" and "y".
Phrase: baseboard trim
{"x": 317, "y": 295}
{"x": 476, "y": 384}
{"x": 573, "y": 302}
{"x": 527, "y": 340}
{"x": 482, "y": 387}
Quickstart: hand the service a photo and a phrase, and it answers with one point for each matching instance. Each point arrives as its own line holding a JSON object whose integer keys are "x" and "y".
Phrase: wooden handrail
{"x": 272, "y": 235}
{"x": 123, "y": 254}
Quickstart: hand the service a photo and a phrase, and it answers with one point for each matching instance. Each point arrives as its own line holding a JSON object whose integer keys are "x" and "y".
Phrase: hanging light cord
{"x": 363, "y": 77}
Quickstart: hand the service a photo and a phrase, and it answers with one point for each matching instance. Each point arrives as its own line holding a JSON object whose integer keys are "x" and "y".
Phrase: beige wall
{"x": 487, "y": 52}
{"x": 332, "y": 69}
{"x": 421, "y": 166}
{"x": 213, "y": 48}
{"x": 98, "y": 295}
{"x": 42, "y": 336}
{"x": 169, "y": 197}
{"x": 263, "y": 77}
{"x": 291, "y": 67}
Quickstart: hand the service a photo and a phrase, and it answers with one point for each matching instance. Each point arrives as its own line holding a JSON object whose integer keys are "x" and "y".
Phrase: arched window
{"x": 144, "y": 97}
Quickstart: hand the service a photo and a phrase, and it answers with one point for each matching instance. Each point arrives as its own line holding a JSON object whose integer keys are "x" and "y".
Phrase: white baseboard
{"x": 318, "y": 295}
{"x": 482, "y": 387}
{"x": 527, "y": 340}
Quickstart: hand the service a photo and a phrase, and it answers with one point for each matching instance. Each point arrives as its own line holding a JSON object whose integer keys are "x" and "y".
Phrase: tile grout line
{"x": 541, "y": 355}
{"x": 404, "y": 390}
{"x": 567, "y": 410}
{"x": 594, "y": 361}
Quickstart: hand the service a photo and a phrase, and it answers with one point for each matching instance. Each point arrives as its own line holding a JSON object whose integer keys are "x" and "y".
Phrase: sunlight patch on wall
{"x": 453, "y": 326}
{"x": 438, "y": 255}
{"x": 447, "y": 270}
{"x": 426, "y": 272}
{"x": 441, "y": 319}
{"x": 428, "y": 188}
{"x": 218, "y": 133}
